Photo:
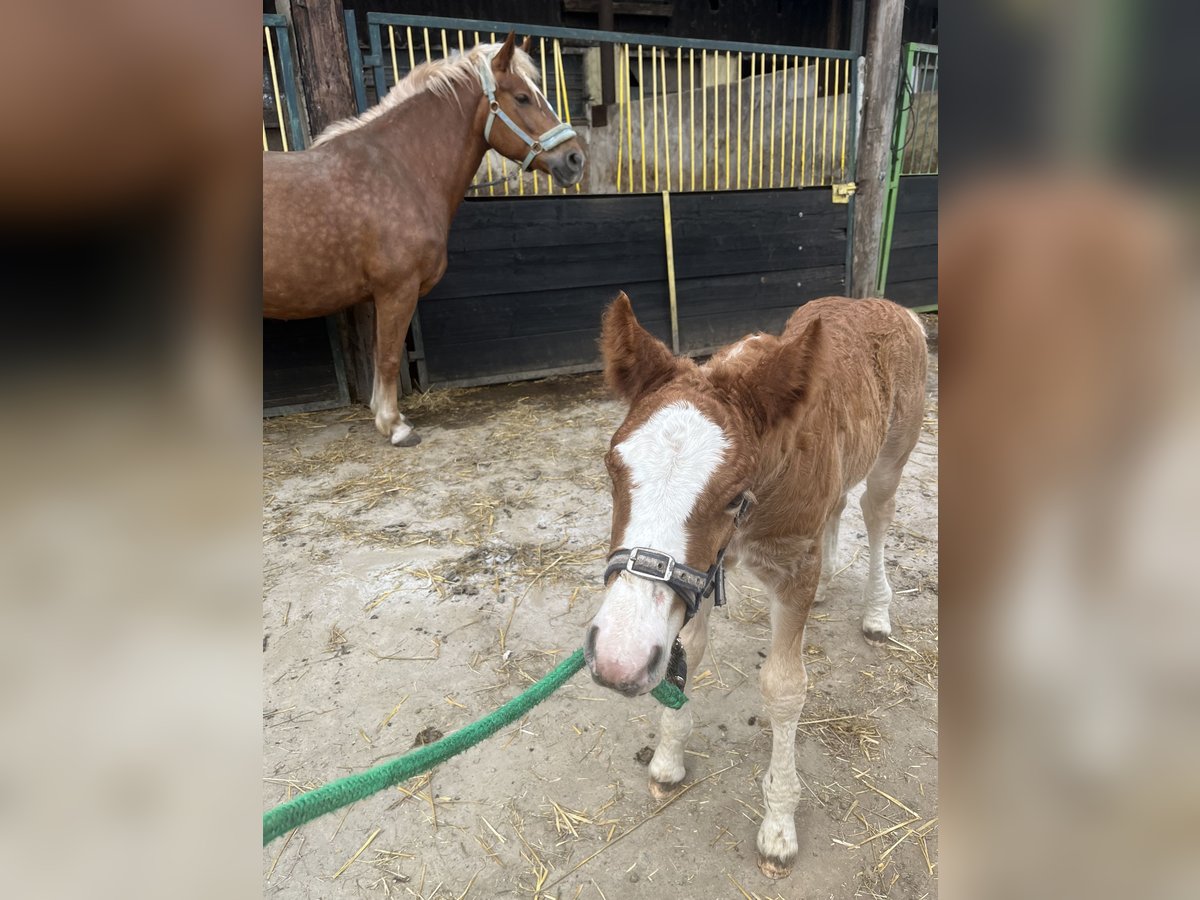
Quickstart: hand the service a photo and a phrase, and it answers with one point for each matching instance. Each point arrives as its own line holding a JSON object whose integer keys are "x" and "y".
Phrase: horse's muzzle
{"x": 568, "y": 168}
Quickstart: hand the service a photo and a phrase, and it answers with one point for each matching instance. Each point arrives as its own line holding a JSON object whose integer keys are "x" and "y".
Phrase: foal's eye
{"x": 523, "y": 99}
{"x": 736, "y": 502}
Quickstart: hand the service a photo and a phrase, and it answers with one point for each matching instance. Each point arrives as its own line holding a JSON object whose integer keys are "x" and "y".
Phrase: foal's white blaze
{"x": 670, "y": 460}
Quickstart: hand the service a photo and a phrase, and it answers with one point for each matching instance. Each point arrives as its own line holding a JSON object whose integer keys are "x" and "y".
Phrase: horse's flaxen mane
{"x": 439, "y": 76}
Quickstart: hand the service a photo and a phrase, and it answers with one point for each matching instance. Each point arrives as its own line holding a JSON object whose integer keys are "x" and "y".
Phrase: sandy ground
{"x": 408, "y": 590}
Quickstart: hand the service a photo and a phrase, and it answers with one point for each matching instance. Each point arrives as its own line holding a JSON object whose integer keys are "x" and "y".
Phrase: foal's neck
{"x": 438, "y": 142}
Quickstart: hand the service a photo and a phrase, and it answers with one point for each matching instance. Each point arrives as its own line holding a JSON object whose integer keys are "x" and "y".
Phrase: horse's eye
{"x": 736, "y": 502}
{"x": 523, "y": 99}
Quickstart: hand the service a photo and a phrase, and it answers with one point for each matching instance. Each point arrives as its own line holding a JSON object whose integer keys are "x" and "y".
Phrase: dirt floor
{"x": 408, "y": 592}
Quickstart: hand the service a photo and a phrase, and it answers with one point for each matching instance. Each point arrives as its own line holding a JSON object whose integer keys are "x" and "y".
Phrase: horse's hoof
{"x": 876, "y": 637}
{"x": 775, "y": 868}
{"x": 402, "y": 438}
{"x": 661, "y": 790}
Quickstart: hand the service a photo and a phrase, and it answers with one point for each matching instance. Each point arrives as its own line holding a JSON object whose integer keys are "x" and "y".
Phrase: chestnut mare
{"x": 365, "y": 213}
{"x": 751, "y": 453}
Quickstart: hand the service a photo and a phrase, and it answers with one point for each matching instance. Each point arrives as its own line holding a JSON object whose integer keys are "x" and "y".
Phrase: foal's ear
{"x": 787, "y": 378}
{"x": 635, "y": 361}
{"x": 527, "y": 44}
{"x": 502, "y": 61}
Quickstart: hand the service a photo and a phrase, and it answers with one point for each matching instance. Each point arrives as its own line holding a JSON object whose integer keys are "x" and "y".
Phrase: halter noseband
{"x": 547, "y": 141}
{"x": 692, "y": 585}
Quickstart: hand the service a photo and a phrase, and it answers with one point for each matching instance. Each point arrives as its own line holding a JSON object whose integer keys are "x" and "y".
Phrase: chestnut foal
{"x": 749, "y": 457}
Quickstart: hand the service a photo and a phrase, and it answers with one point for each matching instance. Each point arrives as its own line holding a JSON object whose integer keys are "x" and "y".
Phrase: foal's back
{"x": 872, "y": 394}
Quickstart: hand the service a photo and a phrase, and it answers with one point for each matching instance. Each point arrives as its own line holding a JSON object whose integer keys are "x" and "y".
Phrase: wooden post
{"x": 879, "y": 110}
{"x": 329, "y": 97}
{"x": 608, "y": 80}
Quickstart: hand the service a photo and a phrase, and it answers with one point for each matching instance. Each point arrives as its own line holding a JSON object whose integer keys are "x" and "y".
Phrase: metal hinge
{"x": 842, "y": 192}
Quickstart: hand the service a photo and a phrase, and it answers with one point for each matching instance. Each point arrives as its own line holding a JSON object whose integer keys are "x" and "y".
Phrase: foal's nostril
{"x": 655, "y": 656}
{"x": 575, "y": 158}
{"x": 590, "y": 643}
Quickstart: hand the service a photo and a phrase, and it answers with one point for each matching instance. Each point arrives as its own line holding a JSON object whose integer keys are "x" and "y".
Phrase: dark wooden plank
{"x": 917, "y": 193}
{"x": 922, "y": 292}
{"x": 909, "y": 263}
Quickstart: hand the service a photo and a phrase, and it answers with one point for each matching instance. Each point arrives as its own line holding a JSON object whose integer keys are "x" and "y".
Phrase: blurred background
{"x": 130, "y": 380}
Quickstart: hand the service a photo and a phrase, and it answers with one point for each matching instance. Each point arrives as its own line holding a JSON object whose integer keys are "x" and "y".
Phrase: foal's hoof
{"x": 773, "y": 867}
{"x": 875, "y": 636}
{"x": 661, "y": 790}
{"x": 405, "y": 437}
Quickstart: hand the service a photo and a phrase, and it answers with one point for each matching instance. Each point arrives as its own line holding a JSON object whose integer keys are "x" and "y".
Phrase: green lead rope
{"x": 336, "y": 794}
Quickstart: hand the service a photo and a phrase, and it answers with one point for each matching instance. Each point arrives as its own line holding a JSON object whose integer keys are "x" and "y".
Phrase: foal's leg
{"x": 784, "y": 685}
{"x": 393, "y": 312}
{"x": 667, "y": 770}
{"x": 829, "y": 548}
{"x": 878, "y": 508}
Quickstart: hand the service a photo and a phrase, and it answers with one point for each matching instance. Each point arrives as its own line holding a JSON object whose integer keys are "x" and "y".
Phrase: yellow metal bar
{"x": 717, "y": 120}
{"x": 275, "y": 88}
{"x": 750, "y": 150}
{"x": 461, "y": 49}
{"x": 692, "y": 113}
{"x": 783, "y": 122}
{"x": 265, "y": 136}
{"x": 622, "y": 90}
{"x": 774, "y": 72}
{"x": 704, "y": 119}
{"x": 795, "y": 100}
{"x": 395, "y": 65}
{"x": 762, "y": 113}
{"x": 628, "y": 118}
{"x": 642, "y": 114}
{"x": 728, "y": 88}
{"x": 679, "y": 109}
{"x": 824, "y": 119}
{"x": 654, "y": 106}
{"x": 845, "y": 118}
{"x": 546, "y": 94}
{"x": 666, "y": 123}
{"x": 837, "y": 78}
{"x": 739, "y": 128}
{"x": 812, "y": 162}
{"x": 445, "y": 46}
{"x": 412, "y": 58}
{"x": 561, "y": 75}
{"x": 666, "y": 197}
{"x": 428, "y": 55}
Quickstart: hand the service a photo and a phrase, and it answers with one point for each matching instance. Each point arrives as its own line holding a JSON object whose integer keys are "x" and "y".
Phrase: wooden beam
{"x": 328, "y": 97}
{"x": 879, "y": 110}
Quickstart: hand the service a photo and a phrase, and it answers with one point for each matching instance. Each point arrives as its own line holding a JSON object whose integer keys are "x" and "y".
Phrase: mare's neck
{"x": 437, "y": 143}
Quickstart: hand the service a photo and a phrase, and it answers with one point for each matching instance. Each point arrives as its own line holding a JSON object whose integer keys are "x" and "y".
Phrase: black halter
{"x": 692, "y": 585}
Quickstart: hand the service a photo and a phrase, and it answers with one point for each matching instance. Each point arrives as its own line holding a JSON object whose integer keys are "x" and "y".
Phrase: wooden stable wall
{"x": 528, "y": 278}
{"x": 912, "y": 273}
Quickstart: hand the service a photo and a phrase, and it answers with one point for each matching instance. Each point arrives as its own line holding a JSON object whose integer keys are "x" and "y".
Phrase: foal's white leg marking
{"x": 784, "y": 686}
{"x": 878, "y": 508}
{"x": 667, "y": 767}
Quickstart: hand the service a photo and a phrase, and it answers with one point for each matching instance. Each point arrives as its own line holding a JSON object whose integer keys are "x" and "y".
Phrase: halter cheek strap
{"x": 547, "y": 141}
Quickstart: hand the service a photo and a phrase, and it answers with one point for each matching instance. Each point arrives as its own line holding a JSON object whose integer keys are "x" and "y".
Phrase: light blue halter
{"x": 548, "y": 141}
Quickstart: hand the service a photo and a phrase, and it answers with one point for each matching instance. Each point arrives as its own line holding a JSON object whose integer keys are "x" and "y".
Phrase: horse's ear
{"x": 502, "y": 61}
{"x": 635, "y": 361}
{"x": 527, "y": 44}
{"x": 786, "y": 379}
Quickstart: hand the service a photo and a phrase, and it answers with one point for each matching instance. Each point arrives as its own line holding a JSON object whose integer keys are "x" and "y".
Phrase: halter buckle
{"x": 494, "y": 105}
{"x": 536, "y": 147}
{"x": 667, "y": 562}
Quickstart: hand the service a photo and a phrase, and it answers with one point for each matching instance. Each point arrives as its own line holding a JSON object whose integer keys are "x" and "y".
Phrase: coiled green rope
{"x": 336, "y": 794}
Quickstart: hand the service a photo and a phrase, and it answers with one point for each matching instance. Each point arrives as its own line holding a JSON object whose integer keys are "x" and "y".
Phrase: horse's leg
{"x": 667, "y": 770}
{"x": 784, "y": 684}
{"x": 829, "y": 548}
{"x": 879, "y": 508}
{"x": 393, "y": 312}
